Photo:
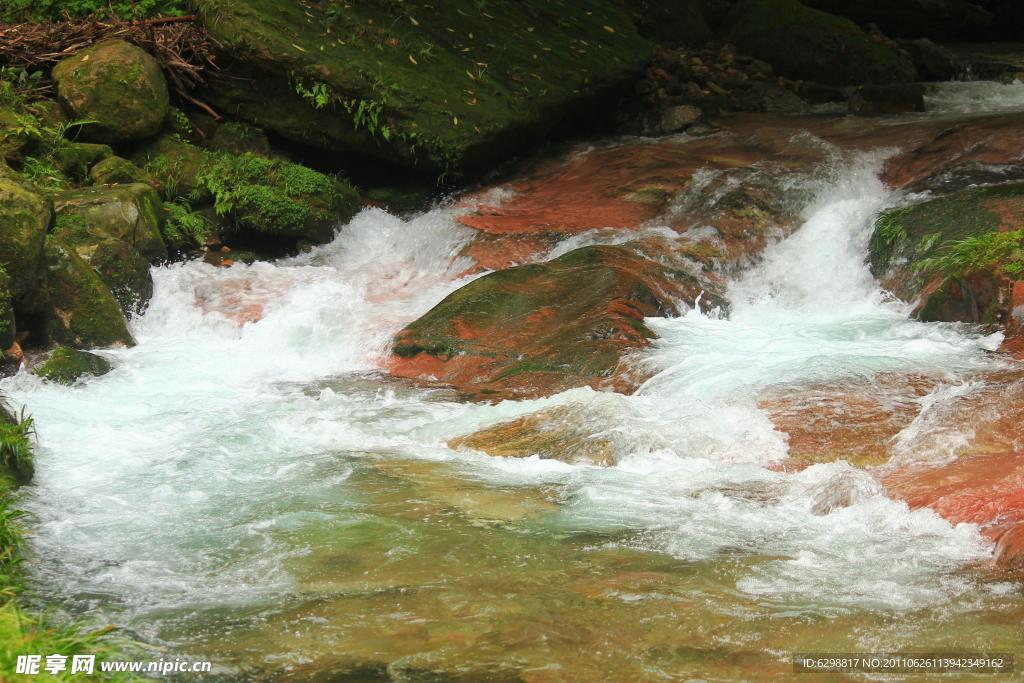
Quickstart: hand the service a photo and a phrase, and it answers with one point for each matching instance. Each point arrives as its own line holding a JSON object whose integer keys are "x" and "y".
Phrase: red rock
{"x": 996, "y": 140}
{"x": 538, "y": 329}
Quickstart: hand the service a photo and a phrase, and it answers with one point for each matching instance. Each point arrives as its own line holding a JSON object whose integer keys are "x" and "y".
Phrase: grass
{"x": 16, "y": 448}
{"x": 1003, "y": 250}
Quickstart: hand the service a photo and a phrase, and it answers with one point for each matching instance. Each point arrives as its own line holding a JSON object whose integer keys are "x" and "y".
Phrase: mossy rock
{"x": 238, "y": 138}
{"x": 75, "y": 159}
{"x": 175, "y": 164}
{"x": 277, "y": 198}
{"x": 14, "y": 139}
{"x": 117, "y": 85}
{"x": 24, "y": 218}
{"x": 935, "y": 19}
{"x": 66, "y": 365}
{"x": 119, "y": 171}
{"x": 806, "y": 44}
{"x": 7, "y": 323}
{"x": 952, "y": 251}
{"x": 449, "y": 87}
{"x": 116, "y": 230}
{"x": 84, "y": 312}
{"x": 541, "y": 328}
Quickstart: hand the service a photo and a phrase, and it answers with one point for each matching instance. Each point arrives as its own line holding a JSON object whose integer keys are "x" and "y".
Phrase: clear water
{"x": 260, "y": 494}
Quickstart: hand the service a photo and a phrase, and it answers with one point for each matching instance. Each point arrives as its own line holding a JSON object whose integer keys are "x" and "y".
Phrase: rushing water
{"x": 245, "y": 486}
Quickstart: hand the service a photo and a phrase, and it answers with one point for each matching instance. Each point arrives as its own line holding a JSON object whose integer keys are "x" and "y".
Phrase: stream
{"x": 248, "y": 487}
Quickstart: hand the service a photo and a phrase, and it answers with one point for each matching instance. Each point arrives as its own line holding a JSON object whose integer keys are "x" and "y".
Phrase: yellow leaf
{"x": 300, "y": 49}
{"x": 412, "y": 60}
{"x": 609, "y": 29}
{"x": 455, "y": 120}
{"x": 413, "y": 21}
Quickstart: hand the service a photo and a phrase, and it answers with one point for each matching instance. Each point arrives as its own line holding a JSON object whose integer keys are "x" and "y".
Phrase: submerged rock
{"x": 451, "y": 87}
{"x": 116, "y": 230}
{"x": 65, "y": 365}
{"x": 118, "y": 86}
{"x": 804, "y": 43}
{"x": 83, "y": 311}
{"x": 537, "y": 329}
{"x": 555, "y": 433}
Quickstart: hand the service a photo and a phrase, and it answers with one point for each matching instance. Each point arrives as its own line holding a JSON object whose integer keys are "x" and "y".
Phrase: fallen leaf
{"x": 609, "y": 29}
{"x": 411, "y": 59}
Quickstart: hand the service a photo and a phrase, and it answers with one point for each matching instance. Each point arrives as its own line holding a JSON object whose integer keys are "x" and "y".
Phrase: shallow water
{"x": 247, "y": 487}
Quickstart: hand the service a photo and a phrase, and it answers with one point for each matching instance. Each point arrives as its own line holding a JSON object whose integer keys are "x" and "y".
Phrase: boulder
{"x": 116, "y": 230}
{"x": 934, "y": 19}
{"x": 119, "y": 171}
{"x": 83, "y": 312}
{"x": 541, "y": 328}
{"x": 899, "y": 98}
{"x": 679, "y": 118}
{"x": 117, "y": 85}
{"x": 956, "y": 255}
{"x": 448, "y": 88}
{"x": 65, "y": 365}
{"x": 24, "y": 219}
{"x": 933, "y": 62}
{"x": 807, "y": 44}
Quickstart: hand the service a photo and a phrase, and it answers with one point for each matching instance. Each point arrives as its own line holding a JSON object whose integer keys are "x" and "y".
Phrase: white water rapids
{"x": 183, "y": 479}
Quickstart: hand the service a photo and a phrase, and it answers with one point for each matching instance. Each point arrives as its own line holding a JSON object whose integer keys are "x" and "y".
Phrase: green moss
{"x": 277, "y": 197}
{"x": 65, "y": 365}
